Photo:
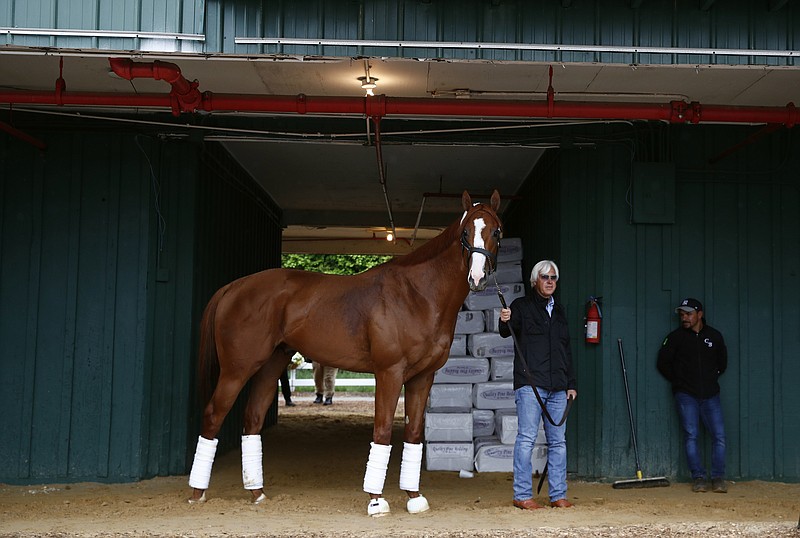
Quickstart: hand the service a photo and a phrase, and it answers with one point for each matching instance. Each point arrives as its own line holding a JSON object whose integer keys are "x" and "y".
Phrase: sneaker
{"x": 318, "y": 399}
{"x": 699, "y": 485}
{"x": 328, "y": 401}
{"x": 718, "y": 485}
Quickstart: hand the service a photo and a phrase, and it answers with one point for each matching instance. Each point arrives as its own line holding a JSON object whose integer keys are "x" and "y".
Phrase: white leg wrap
{"x": 252, "y": 462}
{"x": 410, "y": 467}
{"x": 376, "y": 468}
{"x": 201, "y": 466}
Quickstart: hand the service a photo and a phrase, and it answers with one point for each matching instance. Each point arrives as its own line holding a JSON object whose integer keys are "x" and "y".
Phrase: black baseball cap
{"x": 689, "y": 305}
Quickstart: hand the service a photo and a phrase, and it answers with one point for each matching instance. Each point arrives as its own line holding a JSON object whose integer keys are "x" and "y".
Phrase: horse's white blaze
{"x": 478, "y": 260}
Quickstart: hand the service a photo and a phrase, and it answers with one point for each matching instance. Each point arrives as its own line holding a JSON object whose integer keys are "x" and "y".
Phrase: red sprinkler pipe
{"x": 185, "y": 97}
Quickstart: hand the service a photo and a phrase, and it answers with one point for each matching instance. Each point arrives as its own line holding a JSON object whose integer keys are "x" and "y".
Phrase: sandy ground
{"x": 314, "y": 466}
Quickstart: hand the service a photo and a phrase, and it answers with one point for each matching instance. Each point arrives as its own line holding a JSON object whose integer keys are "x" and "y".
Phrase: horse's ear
{"x": 495, "y": 200}
{"x": 466, "y": 201}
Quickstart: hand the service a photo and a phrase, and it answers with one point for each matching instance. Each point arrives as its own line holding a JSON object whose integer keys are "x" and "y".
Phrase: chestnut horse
{"x": 395, "y": 320}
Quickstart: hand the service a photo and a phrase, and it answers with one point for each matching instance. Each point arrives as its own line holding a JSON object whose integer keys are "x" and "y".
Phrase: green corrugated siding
{"x": 99, "y": 304}
{"x": 238, "y": 232}
{"x": 74, "y": 247}
{"x": 160, "y": 16}
{"x": 732, "y": 25}
{"x": 734, "y": 245}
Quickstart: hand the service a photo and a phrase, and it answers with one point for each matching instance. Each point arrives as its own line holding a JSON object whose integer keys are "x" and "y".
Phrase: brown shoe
{"x": 561, "y": 503}
{"x": 527, "y": 504}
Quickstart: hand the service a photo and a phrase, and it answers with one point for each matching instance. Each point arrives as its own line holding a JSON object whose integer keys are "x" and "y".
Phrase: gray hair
{"x": 542, "y": 267}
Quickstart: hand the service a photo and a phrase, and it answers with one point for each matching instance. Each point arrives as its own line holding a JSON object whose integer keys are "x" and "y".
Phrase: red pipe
{"x": 185, "y": 97}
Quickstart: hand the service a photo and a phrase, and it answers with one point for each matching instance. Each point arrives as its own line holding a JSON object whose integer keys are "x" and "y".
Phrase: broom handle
{"x": 630, "y": 410}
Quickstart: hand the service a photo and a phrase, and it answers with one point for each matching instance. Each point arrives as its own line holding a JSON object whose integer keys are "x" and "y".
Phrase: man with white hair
{"x": 543, "y": 362}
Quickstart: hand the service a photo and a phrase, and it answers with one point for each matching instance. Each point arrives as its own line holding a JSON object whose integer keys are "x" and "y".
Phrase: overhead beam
{"x": 378, "y": 247}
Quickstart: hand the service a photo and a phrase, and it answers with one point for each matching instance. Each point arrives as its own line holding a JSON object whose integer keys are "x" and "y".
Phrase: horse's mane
{"x": 438, "y": 244}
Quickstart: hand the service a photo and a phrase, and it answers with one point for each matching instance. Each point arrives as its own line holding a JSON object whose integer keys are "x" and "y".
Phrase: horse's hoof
{"x": 417, "y": 505}
{"x": 202, "y": 499}
{"x": 261, "y": 499}
{"x": 378, "y": 507}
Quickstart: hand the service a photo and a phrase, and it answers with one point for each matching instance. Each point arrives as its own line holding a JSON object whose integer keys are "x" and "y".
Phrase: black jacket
{"x": 693, "y": 362}
{"x": 544, "y": 341}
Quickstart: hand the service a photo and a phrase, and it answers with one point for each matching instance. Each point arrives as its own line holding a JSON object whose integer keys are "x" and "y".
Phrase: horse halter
{"x": 471, "y": 249}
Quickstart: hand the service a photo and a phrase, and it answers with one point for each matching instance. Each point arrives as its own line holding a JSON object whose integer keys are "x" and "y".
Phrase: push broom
{"x": 639, "y": 481}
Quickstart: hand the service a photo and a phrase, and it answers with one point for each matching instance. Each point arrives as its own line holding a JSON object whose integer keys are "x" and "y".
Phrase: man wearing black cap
{"x": 692, "y": 358}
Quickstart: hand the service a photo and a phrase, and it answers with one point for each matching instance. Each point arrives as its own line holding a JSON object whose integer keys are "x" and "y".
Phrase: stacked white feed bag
{"x": 459, "y": 346}
{"x": 487, "y": 298}
{"x": 481, "y": 440}
{"x": 470, "y": 322}
{"x": 505, "y": 425}
{"x": 482, "y": 422}
{"x": 507, "y": 273}
{"x": 492, "y": 317}
{"x": 501, "y": 369}
{"x": 494, "y": 457}
{"x": 489, "y": 345}
{"x": 539, "y": 458}
{"x": 449, "y": 456}
{"x": 493, "y": 395}
{"x": 448, "y": 426}
{"x": 463, "y": 370}
{"x": 510, "y": 250}
{"x": 451, "y": 397}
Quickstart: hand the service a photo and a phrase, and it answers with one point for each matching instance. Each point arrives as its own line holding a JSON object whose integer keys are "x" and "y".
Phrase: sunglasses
{"x": 549, "y": 277}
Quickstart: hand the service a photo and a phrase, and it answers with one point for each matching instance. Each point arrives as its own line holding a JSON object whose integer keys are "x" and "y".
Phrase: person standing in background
{"x": 324, "y": 383}
{"x": 692, "y": 358}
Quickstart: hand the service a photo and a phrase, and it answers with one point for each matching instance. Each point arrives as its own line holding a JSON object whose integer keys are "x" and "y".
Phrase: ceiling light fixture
{"x": 368, "y": 83}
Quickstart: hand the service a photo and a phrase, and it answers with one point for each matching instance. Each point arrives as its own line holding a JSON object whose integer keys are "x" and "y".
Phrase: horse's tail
{"x": 208, "y": 361}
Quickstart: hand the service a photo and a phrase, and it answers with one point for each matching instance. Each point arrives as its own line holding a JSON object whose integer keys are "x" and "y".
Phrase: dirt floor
{"x": 314, "y": 466}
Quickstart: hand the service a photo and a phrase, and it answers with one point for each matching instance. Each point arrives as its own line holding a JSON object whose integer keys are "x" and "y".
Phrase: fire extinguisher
{"x": 593, "y": 320}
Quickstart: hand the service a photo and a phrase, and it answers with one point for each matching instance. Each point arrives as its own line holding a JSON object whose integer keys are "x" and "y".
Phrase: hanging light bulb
{"x": 368, "y": 84}
{"x": 389, "y": 236}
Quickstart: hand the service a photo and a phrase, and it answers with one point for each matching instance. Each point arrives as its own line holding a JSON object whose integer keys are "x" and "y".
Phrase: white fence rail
{"x": 340, "y": 382}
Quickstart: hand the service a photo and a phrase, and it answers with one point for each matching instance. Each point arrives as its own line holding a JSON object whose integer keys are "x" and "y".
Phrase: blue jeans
{"x": 691, "y": 410}
{"x": 529, "y": 413}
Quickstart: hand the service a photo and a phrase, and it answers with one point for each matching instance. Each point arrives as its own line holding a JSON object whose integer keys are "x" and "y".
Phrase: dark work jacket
{"x": 544, "y": 341}
{"x": 693, "y": 362}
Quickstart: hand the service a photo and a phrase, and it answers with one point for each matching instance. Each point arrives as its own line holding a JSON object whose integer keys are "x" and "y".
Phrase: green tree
{"x": 338, "y": 264}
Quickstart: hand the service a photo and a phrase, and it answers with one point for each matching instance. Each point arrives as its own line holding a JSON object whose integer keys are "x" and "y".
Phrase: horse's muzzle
{"x": 480, "y": 285}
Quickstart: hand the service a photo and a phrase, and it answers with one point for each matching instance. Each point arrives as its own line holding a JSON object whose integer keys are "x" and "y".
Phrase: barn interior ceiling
{"x": 322, "y": 168}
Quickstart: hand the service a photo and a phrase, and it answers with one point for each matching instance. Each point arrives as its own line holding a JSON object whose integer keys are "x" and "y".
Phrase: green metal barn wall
{"x": 212, "y": 26}
{"x": 237, "y": 233}
{"x": 98, "y": 303}
{"x": 734, "y": 243}
{"x": 682, "y": 23}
